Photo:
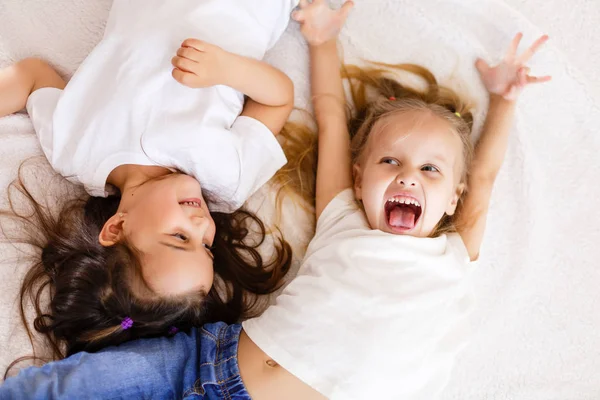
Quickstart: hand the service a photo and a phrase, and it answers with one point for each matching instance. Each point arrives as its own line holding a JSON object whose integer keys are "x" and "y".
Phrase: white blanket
{"x": 537, "y": 318}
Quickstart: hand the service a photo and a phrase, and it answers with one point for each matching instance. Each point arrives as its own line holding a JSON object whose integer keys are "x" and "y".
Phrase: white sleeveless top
{"x": 371, "y": 315}
{"x": 122, "y": 106}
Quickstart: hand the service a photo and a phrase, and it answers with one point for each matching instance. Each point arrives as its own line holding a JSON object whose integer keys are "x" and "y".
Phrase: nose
{"x": 200, "y": 225}
{"x": 406, "y": 180}
{"x": 199, "y": 221}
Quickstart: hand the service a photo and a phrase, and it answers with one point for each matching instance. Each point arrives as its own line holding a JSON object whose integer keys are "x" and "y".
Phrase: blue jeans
{"x": 201, "y": 365}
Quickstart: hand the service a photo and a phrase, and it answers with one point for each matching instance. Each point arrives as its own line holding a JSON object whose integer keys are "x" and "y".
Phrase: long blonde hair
{"x": 375, "y": 94}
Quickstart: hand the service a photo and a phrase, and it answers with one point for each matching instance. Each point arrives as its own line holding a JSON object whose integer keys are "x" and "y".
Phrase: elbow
{"x": 288, "y": 86}
{"x": 482, "y": 178}
{"x": 473, "y": 255}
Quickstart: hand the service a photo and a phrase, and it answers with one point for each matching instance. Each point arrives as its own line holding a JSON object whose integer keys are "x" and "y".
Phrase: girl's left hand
{"x": 319, "y": 22}
{"x": 509, "y": 78}
{"x": 199, "y": 64}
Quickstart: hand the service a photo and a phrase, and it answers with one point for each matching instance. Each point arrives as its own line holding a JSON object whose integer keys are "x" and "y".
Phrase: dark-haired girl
{"x": 169, "y": 136}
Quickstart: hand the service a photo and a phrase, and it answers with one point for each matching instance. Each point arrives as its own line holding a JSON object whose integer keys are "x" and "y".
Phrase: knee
{"x": 34, "y": 66}
{"x": 40, "y": 73}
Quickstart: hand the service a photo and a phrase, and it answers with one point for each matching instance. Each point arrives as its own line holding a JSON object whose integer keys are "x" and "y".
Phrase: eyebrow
{"x": 440, "y": 157}
{"x": 208, "y": 251}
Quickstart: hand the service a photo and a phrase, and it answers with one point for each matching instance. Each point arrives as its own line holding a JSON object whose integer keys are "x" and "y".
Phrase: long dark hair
{"x": 93, "y": 288}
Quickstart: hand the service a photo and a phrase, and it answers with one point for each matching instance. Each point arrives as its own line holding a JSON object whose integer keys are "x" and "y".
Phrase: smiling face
{"x": 168, "y": 222}
{"x": 409, "y": 173}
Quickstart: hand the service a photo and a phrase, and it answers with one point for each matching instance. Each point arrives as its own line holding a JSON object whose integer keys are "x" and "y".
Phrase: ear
{"x": 357, "y": 177}
{"x": 454, "y": 200}
{"x": 112, "y": 231}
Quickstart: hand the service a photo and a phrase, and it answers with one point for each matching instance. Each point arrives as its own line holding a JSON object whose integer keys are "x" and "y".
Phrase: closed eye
{"x": 391, "y": 161}
{"x": 180, "y": 236}
{"x": 185, "y": 239}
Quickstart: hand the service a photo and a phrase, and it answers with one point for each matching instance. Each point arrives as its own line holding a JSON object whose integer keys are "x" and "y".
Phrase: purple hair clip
{"x": 173, "y": 330}
{"x": 126, "y": 323}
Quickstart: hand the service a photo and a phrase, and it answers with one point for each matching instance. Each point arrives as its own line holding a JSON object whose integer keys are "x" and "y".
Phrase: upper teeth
{"x": 405, "y": 200}
{"x": 191, "y": 203}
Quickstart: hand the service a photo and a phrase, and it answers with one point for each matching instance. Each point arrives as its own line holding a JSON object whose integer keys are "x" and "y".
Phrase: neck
{"x": 128, "y": 176}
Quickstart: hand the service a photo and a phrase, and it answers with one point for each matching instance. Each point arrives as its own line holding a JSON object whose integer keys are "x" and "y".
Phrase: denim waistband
{"x": 219, "y": 372}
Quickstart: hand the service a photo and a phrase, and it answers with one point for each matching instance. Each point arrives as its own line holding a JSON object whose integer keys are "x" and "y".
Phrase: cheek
{"x": 372, "y": 186}
{"x": 145, "y": 215}
{"x": 137, "y": 235}
{"x": 379, "y": 178}
{"x": 150, "y": 218}
{"x": 440, "y": 195}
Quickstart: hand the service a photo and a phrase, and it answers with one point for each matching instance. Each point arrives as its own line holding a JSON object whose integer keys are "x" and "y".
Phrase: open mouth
{"x": 196, "y": 203}
{"x": 402, "y": 213}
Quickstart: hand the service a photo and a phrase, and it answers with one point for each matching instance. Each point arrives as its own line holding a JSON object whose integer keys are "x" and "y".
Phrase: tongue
{"x": 402, "y": 217}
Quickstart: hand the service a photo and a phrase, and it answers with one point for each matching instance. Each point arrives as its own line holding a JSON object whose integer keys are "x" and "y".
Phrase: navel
{"x": 271, "y": 363}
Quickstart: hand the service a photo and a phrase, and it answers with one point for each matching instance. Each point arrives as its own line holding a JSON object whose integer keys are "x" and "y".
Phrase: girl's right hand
{"x": 319, "y": 23}
{"x": 199, "y": 64}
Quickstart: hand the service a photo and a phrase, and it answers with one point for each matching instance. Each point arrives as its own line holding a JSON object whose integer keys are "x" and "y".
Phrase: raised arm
{"x": 504, "y": 83}
{"x": 321, "y": 26}
{"x": 270, "y": 92}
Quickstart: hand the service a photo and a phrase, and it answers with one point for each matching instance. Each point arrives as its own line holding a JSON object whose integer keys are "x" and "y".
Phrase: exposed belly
{"x": 265, "y": 380}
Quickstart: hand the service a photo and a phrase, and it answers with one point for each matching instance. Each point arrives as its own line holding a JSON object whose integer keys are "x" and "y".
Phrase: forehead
{"x": 416, "y": 133}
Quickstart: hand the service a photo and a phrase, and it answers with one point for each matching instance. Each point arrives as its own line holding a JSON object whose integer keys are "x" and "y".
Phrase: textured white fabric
{"x": 122, "y": 106}
{"x": 537, "y": 280}
{"x": 370, "y": 314}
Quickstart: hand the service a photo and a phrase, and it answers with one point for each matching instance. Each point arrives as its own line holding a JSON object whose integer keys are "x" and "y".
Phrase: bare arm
{"x": 320, "y": 27}
{"x": 18, "y": 81}
{"x": 489, "y": 155}
{"x": 504, "y": 83}
{"x": 269, "y": 91}
{"x": 334, "y": 170}
{"x": 258, "y": 80}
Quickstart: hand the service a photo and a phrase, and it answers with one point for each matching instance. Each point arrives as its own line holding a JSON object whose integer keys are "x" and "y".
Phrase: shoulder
{"x": 342, "y": 216}
{"x": 342, "y": 208}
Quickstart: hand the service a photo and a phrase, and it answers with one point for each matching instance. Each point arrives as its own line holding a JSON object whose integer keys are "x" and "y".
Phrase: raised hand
{"x": 319, "y": 23}
{"x": 509, "y": 78}
{"x": 199, "y": 64}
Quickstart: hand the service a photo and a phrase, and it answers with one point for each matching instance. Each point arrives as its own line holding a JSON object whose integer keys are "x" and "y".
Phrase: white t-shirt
{"x": 371, "y": 315}
{"x": 122, "y": 106}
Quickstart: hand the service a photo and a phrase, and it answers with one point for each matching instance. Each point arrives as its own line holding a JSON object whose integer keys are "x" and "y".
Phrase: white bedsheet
{"x": 537, "y": 284}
